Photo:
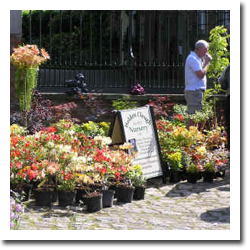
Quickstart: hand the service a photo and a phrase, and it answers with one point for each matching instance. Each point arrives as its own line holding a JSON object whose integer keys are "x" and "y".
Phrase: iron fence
{"x": 117, "y": 49}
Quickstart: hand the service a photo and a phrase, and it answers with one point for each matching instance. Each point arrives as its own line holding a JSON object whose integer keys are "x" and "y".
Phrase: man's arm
{"x": 201, "y": 73}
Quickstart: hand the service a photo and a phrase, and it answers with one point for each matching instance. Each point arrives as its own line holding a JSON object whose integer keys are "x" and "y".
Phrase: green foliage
{"x": 218, "y": 43}
{"x": 192, "y": 168}
{"x": 67, "y": 185}
{"x": 25, "y": 82}
{"x": 185, "y": 158}
{"x": 124, "y": 103}
{"x": 199, "y": 116}
{"x": 93, "y": 129}
{"x": 136, "y": 176}
{"x": 209, "y": 167}
{"x": 59, "y": 41}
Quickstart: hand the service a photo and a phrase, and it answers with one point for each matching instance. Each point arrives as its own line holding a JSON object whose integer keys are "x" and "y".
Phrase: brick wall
{"x": 101, "y": 110}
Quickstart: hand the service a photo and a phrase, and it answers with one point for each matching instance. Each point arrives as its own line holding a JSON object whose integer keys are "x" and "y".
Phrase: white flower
{"x": 103, "y": 139}
{"x": 82, "y": 159}
{"x": 50, "y": 144}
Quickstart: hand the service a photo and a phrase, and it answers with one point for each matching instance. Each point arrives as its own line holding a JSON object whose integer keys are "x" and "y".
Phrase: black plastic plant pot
{"x": 93, "y": 202}
{"x": 192, "y": 177}
{"x": 43, "y": 197}
{"x": 125, "y": 193}
{"x": 175, "y": 176}
{"x": 66, "y": 198}
{"x": 108, "y": 197}
{"x": 208, "y": 176}
{"x": 139, "y": 193}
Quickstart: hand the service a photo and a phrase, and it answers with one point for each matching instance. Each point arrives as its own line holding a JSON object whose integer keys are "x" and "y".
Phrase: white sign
{"x": 138, "y": 128}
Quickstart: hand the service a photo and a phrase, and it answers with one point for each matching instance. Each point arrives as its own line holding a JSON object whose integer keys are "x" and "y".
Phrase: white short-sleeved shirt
{"x": 192, "y": 81}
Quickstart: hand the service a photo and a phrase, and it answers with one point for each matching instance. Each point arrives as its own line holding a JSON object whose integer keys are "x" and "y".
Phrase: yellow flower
{"x": 201, "y": 151}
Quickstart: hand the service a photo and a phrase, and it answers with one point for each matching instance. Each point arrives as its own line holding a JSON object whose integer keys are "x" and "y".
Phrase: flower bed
{"x": 67, "y": 157}
{"x": 182, "y": 147}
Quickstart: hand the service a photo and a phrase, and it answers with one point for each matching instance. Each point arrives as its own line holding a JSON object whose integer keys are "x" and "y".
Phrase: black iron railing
{"x": 117, "y": 49}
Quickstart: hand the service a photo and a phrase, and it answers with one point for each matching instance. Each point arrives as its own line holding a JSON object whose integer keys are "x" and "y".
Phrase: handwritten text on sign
{"x": 139, "y": 130}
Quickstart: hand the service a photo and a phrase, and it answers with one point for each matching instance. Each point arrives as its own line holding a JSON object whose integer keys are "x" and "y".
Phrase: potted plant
{"x": 174, "y": 160}
{"x": 208, "y": 172}
{"x": 66, "y": 189}
{"x": 44, "y": 195}
{"x": 82, "y": 186}
{"x": 192, "y": 173}
{"x": 46, "y": 191}
{"x": 107, "y": 196}
{"x": 138, "y": 181}
{"x": 125, "y": 192}
{"x": 93, "y": 201}
{"x": 21, "y": 181}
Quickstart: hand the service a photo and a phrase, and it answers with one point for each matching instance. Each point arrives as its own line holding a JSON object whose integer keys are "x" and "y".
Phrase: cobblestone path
{"x": 181, "y": 206}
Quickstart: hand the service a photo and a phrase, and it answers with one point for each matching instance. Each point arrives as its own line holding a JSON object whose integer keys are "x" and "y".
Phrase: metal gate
{"x": 118, "y": 49}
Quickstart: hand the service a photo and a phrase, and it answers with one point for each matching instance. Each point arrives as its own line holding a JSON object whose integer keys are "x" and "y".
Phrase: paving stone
{"x": 181, "y": 206}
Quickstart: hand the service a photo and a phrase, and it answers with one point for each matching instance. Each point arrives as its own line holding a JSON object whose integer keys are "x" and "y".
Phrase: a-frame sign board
{"x": 138, "y": 127}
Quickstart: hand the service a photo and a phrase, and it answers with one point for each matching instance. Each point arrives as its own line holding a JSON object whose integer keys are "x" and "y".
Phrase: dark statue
{"x": 77, "y": 85}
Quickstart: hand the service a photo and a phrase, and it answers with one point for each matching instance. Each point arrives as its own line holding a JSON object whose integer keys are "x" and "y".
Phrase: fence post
{"x": 131, "y": 57}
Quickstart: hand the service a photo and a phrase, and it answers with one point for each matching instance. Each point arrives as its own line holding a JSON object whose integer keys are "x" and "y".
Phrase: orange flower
{"x": 28, "y": 56}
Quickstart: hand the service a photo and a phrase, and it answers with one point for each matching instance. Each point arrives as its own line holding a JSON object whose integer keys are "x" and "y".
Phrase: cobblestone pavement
{"x": 181, "y": 206}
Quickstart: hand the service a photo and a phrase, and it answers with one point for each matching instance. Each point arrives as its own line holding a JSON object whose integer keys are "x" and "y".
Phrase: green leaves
{"x": 25, "y": 82}
{"x": 218, "y": 43}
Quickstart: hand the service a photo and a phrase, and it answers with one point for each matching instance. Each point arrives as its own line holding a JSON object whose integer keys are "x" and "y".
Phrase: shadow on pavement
{"x": 182, "y": 189}
{"x": 217, "y": 215}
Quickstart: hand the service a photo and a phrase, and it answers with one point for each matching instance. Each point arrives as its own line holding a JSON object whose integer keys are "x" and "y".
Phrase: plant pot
{"x": 221, "y": 171}
{"x": 66, "y": 198}
{"x": 80, "y": 192}
{"x": 93, "y": 202}
{"x": 23, "y": 189}
{"x": 125, "y": 193}
{"x": 43, "y": 196}
{"x": 96, "y": 186}
{"x": 114, "y": 188}
{"x": 108, "y": 197}
{"x": 139, "y": 193}
{"x": 192, "y": 177}
{"x": 175, "y": 175}
{"x": 208, "y": 176}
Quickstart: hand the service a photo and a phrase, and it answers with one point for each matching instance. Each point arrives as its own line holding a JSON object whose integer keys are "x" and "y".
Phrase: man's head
{"x": 201, "y": 48}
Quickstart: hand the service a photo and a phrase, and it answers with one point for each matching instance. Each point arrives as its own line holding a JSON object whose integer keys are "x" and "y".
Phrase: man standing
{"x": 195, "y": 76}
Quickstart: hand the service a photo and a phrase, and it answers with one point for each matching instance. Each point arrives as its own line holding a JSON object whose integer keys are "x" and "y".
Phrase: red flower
{"x": 118, "y": 175}
{"x": 68, "y": 177}
{"x": 51, "y": 129}
{"x": 32, "y": 174}
{"x": 19, "y": 165}
{"x": 34, "y": 167}
{"x": 179, "y": 117}
{"x": 123, "y": 169}
{"x": 99, "y": 157}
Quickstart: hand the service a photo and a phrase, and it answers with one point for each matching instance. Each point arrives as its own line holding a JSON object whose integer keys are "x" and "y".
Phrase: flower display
{"x": 27, "y": 60}
{"x": 63, "y": 155}
{"x": 60, "y": 152}
{"x": 175, "y": 160}
{"x": 28, "y": 56}
{"x": 196, "y": 147}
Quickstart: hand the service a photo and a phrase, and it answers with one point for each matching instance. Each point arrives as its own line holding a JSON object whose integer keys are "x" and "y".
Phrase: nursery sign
{"x": 137, "y": 126}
